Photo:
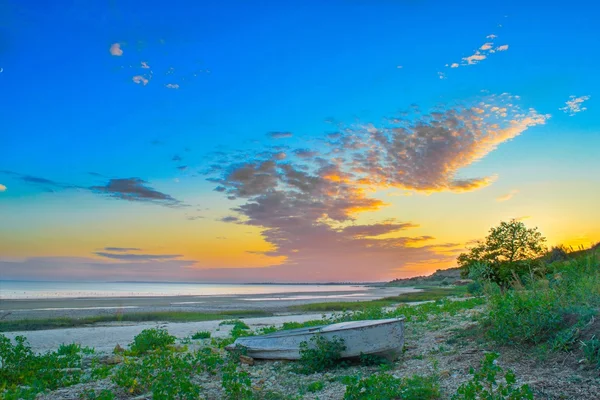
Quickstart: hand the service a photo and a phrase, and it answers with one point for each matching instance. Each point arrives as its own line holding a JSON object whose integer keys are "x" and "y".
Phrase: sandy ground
{"x": 105, "y": 338}
{"x": 84, "y": 307}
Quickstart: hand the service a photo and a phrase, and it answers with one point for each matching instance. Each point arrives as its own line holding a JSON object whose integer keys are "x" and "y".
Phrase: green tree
{"x": 510, "y": 248}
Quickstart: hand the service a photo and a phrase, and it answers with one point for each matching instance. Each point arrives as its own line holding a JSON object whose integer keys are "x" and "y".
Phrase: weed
{"x": 149, "y": 340}
{"x": 236, "y": 383}
{"x": 104, "y": 394}
{"x": 208, "y": 359}
{"x": 373, "y": 359}
{"x": 320, "y": 354}
{"x": 591, "y": 351}
{"x": 386, "y": 387}
{"x": 315, "y": 386}
{"x": 486, "y": 383}
{"x": 166, "y": 374}
{"x": 201, "y": 335}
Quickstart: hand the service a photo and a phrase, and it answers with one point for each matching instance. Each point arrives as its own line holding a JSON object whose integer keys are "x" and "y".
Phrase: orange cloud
{"x": 507, "y": 196}
{"x": 2, "y": 188}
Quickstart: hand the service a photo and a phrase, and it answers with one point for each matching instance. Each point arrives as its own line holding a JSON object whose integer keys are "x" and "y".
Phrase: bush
{"x": 23, "y": 373}
{"x": 201, "y": 335}
{"x": 491, "y": 382}
{"x": 316, "y": 386}
{"x": 320, "y": 354}
{"x": 149, "y": 340}
{"x": 387, "y": 387}
{"x": 166, "y": 374}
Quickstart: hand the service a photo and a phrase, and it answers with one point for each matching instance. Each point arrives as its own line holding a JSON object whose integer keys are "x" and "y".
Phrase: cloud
{"x": 182, "y": 167}
{"x": 145, "y": 65}
{"x": 176, "y": 158}
{"x": 140, "y": 79}
{"x": 480, "y": 54}
{"x": 308, "y": 207}
{"x": 2, "y": 188}
{"x": 279, "y": 135}
{"x": 507, "y": 196}
{"x": 47, "y": 184}
{"x": 573, "y": 105}
{"x": 229, "y": 219}
{"x": 172, "y": 86}
{"x": 123, "y": 249}
{"x": 137, "y": 257}
{"x": 115, "y": 49}
{"x": 134, "y": 189}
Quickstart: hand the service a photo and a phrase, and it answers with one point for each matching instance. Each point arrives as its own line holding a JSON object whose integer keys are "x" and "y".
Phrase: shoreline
{"x": 18, "y": 309}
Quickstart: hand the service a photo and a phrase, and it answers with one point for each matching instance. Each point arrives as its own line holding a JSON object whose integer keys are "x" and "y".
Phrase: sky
{"x": 296, "y": 141}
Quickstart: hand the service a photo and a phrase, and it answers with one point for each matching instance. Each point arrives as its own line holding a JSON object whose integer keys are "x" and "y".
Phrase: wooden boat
{"x": 382, "y": 337}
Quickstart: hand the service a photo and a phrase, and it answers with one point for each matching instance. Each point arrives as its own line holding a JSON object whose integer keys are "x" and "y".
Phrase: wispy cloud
{"x": 137, "y": 257}
{"x": 2, "y": 188}
{"x": 279, "y": 135}
{"x": 134, "y": 189}
{"x": 507, "y": 196}
{"x": 229, "y": 219}
{"x": 145, "y": 65}
{"x": 115, "y": 49}
{"x": 172, "y": 86}
{"x": 47, "y": 184}
{"x": 574, "y": 105}
{"x": 122, "y": 249}
{"x": 480, "y": 54}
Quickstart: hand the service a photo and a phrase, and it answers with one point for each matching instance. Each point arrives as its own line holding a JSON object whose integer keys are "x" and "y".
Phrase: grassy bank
{"x": 167, "y": 316}
{"x": 428, "y": 293}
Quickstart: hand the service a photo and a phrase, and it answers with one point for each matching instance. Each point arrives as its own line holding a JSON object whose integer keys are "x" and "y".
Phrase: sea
{"x": 13, "y": 290}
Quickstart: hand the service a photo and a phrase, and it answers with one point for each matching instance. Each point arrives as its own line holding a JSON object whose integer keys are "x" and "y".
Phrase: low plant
{"x": 208, "y": 360}
{"x": 164, "y": 373}
{"x": 24, "y": 373}
{"x": 315, "y": 386}
{"x": 150, "y": 340}
{"x": 201, "y": 335}
{"x": 591, "y": 351}
{"x": 373, "y": 359}
{"x": 235, "y": 383}
{"x": 320, "y": 354}
{"x": 493, "y": 383}
{"x": 386, "y": 387}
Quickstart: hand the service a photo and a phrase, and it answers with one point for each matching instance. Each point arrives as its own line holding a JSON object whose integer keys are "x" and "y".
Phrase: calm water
{"x": 53, "y": 290}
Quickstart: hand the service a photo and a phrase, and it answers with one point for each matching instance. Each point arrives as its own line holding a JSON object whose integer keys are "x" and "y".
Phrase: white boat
{"x": 382, "y": 337}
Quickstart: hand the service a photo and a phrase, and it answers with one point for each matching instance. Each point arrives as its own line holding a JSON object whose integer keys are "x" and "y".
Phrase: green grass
{"x": 428, "y": 294}
{"x": 171, "y": 316}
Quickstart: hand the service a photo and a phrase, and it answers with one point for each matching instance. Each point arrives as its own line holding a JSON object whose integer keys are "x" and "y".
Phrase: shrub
{"x": 386, "y": 387}
{"x": 320, "y": 354}
{"x": 372, "y": 359}
{"x": 208, "y": 359}
{"x": 23, "y": 373}
{"x": 201, "y": 335}
{"x": 166, "y": 374}
{"x": 491, "y": 382}
{"x": 151, "y": 339}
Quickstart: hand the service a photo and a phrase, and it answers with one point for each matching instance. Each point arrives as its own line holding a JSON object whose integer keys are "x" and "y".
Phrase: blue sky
{"x": 235, "y": 72}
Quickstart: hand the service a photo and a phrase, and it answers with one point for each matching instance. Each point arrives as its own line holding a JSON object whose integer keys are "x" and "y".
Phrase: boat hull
{"x": 377, "y": 337}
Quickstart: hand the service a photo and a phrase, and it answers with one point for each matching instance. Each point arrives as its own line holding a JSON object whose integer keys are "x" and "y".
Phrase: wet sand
{"x": 11, "y": 309}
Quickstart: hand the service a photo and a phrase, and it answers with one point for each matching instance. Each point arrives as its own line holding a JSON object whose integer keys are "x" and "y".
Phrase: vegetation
{"x": 386, "y": 387}
{"x": 493, "y": 383}
{"x": 170, "y": 316}
{"x": 510, "y": 250}
{"x": 320, "y": 354}
{"x": 427, "y": 294}
{"x": 150, "y": 340}
{"x": 201, "y": 335}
